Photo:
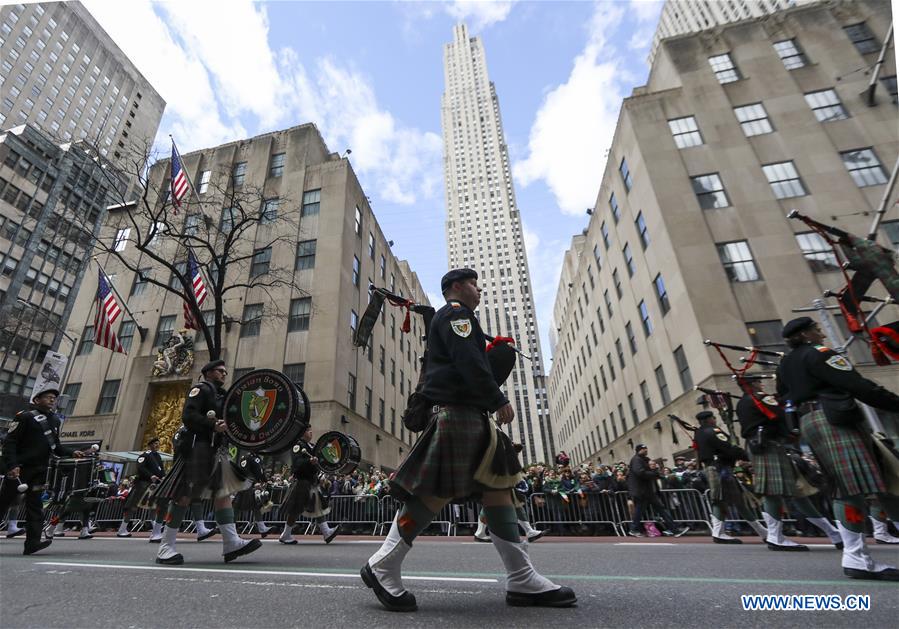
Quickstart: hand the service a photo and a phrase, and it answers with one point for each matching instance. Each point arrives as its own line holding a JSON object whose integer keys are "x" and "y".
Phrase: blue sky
{"x": 370, "y": 75}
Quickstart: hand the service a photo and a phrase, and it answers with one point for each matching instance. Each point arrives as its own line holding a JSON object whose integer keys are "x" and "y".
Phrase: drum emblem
{"x": 257, "y": 406}
{"x": 331, "y": 452}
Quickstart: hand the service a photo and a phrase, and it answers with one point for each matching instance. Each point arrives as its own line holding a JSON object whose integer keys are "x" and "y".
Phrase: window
{"x": 604, "y": 229}
{"x": 737, "y": 260}
{"x": 724, "y": 69}
{"x": 889, "y": 84}
{"x": 613, "y": 205}
{"x": 617, "y": 282}
{"x": 631, "y": 339}
{"x": 296, "y": 373}
{"x": 239, "y": 174}
{"x": 87, "y": 341}
{"x": 891, "y": 229}
{"x": 269, "y": 213}
{"x": 371, "y": 245}
{"x": 354, "y": 320}
{"x": 300, "y": 314}
{"x": 790, "y": 54}
{"x": 276, "y": 168}
{"x": 357, "y": 217}
{"x": 356, "y": 271}
{"x": 864, "y": 167}
{"x": 108, "y": 395}
{"x": 629, "y": 260}
{"x": 126, "y": 334}
{"x": 383, "y": 267}
{"x": 826, "y": 105}
{"x": 608, "y": 300}
{"x": 229, "y": 215}
{"x": 381, "y": 413}
{"x": 662, "y": 294}
{"x": 625, "y": 176}
{"x": 709, "y": 191}
{"x": 644, "y": 318}
{"x": 620, "y": 352}
{"x": 164, "y": 330}
{"x": 663, "y": 385}
{"x": 205, "y": 175}
{"x": 766, "y": 334}
{"x": 640, "y": 222}
{"x": 121, "y": 239}
{"x": 192, "y": 224}
{"x": 305, "y": 255}
{"x": 311, "y": 202}
{"x": 647, "y": 400}
{"x": 72, "y": 391}
{"x": 685, "y": 132}
{"x": 753, "y": 119}
{"x": 262, "y": 259}
{"x": 784, "y": 180}
{"x": 860, "y": 35}
{"x": 351, "y": 392}
{"x": 140, "y": 282}
{"x": 382, "y": 360}
{"x": 251, "y": 321}
{"x": 683, "y": 369}
{"x": 368, "y": 403}
{"x": 818, "y": 252}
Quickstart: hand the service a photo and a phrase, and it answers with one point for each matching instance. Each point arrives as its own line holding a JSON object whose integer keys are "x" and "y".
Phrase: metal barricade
{"x": 389, "y": 506}
{"x": 734, "y": 516}
{"x": 577, "y": 509}
{"x": 363, "y": 510}
{"x": 465, "y": 514}
{"x": 687, "y": 506}
{"x": 110, "y": 510}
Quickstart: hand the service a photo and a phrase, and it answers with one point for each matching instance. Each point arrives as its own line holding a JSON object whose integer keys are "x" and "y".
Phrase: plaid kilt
{"x": 449, "y": 454}
{"x": 773, "y": 473}
{"x": 726, "y": 489}
{"x": 844, "y": 454}
{"x": 137, "y": 491}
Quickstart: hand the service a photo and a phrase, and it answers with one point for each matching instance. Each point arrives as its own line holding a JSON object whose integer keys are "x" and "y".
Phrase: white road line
{"x": 644, "y": 544}
{"x": 288, "y": 573}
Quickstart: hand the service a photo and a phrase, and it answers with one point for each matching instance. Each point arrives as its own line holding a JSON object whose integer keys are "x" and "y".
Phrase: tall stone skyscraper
{"x": 483, "y": 230}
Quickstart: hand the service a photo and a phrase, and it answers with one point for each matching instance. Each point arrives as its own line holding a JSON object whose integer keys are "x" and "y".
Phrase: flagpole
{"x": 195, "y": 194}
{"x": 140, "y": 330}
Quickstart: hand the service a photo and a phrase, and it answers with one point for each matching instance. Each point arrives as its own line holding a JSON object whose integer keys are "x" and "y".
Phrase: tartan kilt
{"x": 459, "y": 444}
{"x": 137, "y": 492}
{"x": 727, "y": 489}
{"x": 244, "y": 500}
{"x": 844, "y": 454}
{"x": 773, "y": 473}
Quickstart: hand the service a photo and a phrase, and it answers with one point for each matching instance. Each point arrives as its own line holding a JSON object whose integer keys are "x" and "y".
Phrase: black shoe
{"x": 561, "y": 597}
{"x": 31, "y": 549}
{"x": 682, "y": 531}
{"x": 890, "y": 574}
{"x": 876, "y": 541}
{"x": 330, "y": 538}
{"x": 208, "y": 534}
{"x": 253, "y": 544}
{"x": 838, "y": 545}
{"x": 797, "y": 548}
{"x": 668, "y": 533}
{"x": 174, "y": 560}
{"x": 264, "y": 535}
{"x": 483, "y": 540}
{"x": 154, "y": 541}
{"x": 289, "y": 542}
{"x": 22, "y": 532}
{"x": 534, "y": 537}
{"x": 635, "y": 534}
{"x": 402, "y": 603}
{"x": 732, "y": 540}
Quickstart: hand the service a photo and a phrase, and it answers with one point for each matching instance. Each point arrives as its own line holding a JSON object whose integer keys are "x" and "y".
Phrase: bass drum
{"x": 265, "y": 412}
{"x": 337, "y": 453}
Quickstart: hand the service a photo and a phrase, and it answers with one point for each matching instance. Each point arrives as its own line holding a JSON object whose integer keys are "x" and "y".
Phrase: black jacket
{"x": 149, "y": 464}
{"x": 751, "y": 418}
{"x": 457, "y": 371}
{"x": 641, "y": 481}
{"x": 712, "y": 445}
{"x": 810, "y": 370}
{"x": 27, "y": 446}
{"x": 202, "y": 398}
{"x": 301, "y": 466}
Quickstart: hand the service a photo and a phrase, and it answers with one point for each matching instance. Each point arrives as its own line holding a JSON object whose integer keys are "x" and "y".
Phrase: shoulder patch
{"x": 839, "y": 362}
{"x": 462, "y": 327}
{"x": 12, "y": 427}
{"x": 194, "y": 392}
{"x": 770, "y": 400}
{"x": 141, "y": 459}
{"x": 823, "y": 348}
{"x": 296, "y": 448}
{"x": 721, "y": 436}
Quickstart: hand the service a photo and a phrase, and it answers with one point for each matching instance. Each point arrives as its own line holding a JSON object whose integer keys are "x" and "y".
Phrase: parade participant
{"x": 764, "y": 426}
{"x": 33, "y": 436}
{"x": 718, "y": 456}
{"x": 881, "y": 526}
{"x": 521, "y": 496}
{"x": 149, "y": 472}
{"x": 12, "y": 524}
{"x": 824, "y": 386}
{"x": 205, "y": 470}
{"x": 255, "y": 497}
{"x": 461, "y": 454}
{"x": 306, "y": 493}
{"x": 642, "y": 483}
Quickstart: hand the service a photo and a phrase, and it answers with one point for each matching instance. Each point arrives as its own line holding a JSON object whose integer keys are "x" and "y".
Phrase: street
{"x": 109, "y": 582}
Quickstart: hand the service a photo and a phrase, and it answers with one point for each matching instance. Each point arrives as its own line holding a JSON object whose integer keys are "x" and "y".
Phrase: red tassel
{"x": 500, "y": 339}
{"x": 407, "y": 324}
{"x": 877, "y": 354}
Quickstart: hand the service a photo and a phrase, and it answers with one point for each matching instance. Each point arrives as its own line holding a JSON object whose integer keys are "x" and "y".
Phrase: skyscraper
{"x": 483, "y": 229}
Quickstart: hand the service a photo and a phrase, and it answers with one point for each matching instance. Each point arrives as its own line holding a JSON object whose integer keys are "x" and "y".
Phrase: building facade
{"x": 61, "y": 72}
{"x": 483, "y": 229}
{"x": 319, "y": 232}
{"x": 689, "y": 238}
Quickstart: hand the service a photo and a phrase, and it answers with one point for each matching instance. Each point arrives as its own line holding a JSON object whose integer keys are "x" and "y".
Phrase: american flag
{"x": 199, "y": 288}
{"x": 179, "y": 178}
{"x": 107, "y": 312}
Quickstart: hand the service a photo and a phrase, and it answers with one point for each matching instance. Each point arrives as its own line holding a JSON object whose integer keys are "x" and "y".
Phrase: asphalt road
{"x": 108, "y": 582}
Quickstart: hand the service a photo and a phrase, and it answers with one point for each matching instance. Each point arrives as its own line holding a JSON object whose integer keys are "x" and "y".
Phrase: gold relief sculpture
{"x": 164, "y": 418}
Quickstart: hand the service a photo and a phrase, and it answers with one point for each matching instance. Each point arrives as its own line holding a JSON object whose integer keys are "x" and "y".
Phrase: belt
{"x": 808, "y": 407}
{"x": 437, "y": 408}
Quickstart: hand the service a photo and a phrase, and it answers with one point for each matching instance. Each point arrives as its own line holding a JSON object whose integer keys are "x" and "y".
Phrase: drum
{"x": 337, "y": 453}
{"x": 65, "y": 476}
{"x": 265, "y": 412}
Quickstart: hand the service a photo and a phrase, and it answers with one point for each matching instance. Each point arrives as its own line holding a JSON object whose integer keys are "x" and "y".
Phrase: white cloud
{"x": 646, "y": 10}
{"x": 545, "y": 264}
{"x": 576, "y": 121}
{"x": 481, "y": 13}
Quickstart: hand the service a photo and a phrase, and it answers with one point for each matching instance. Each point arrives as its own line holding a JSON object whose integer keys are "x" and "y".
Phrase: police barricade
{"x": 109, "y": 511}
{"x": 390, "y": 505}
{"x": 277, "y": 515}
{"x": 465, "y": 514}
{"x": 360, "y": 510}
{"x": 592, "y": 509}
{"x": 687, "y": 506}
{"x": 733, "y": 515}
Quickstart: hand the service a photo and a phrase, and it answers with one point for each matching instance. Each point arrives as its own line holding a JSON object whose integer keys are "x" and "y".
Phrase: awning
{"x": 128, "y": 456}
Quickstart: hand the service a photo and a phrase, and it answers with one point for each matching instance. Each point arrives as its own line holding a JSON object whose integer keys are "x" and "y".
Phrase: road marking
{"x": 289, "y": 573}
{"x": 644, "y": 544}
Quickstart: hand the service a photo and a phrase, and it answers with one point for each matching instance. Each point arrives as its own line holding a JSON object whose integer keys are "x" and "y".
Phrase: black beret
{"x": 456, "y": 275}
{"x": 48, "y": 389}
{"x": 797, "y": 325}
{"x": 153, "y": 440}
{"x": 703, "y": 415}
{"x": 639, "y": 447}
{"x": 212, "y": 364}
